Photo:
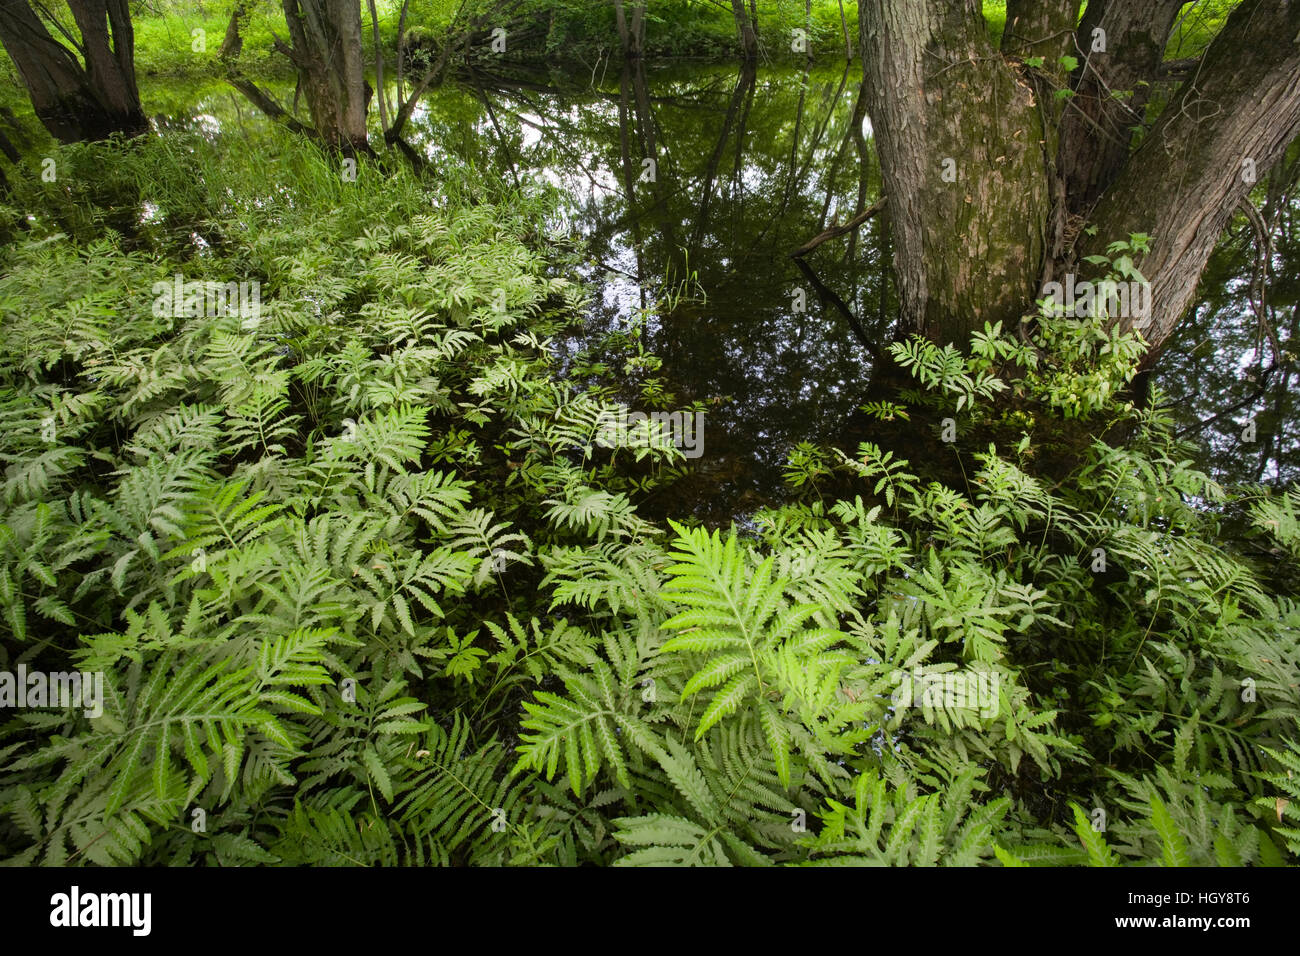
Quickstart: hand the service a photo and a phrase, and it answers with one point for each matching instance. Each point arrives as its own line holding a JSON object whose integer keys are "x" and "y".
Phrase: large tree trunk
{"x": 75, "y": 101}
{"x": 992, "y": 177}
{"x": 1239, "y": 111}
{"x": 960, "y": 139}
{"x": 326, "y": 50}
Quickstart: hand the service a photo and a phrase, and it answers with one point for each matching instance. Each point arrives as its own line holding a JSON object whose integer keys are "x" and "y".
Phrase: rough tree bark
{"x": 959, "y": 134}
{"x": 325, "y": 48}
{"x": 75, "y": 100}
{"x": 1236, "y": 114}
{"x": 1095, "y": 132}
{"x": 992, "y": 177}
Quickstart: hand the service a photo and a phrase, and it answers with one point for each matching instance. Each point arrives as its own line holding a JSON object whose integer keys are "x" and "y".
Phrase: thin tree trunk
{"x": 637, "y": 32}
{"x": 497, "y": 14}
{"x": 401, "y": 46}
{"x": 379, "y": 69}
{"x": 745, "y": 27}
{"x": 807, "y": 22}
{"x": 620, "y": 24}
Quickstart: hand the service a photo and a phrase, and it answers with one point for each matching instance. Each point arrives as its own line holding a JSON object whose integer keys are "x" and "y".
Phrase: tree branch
{"x": 1222, "y": 129}
{"x": 834, "y": 232}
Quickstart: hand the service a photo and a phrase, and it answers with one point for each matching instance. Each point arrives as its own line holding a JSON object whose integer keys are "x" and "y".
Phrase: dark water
{"x": 691, "y": 186}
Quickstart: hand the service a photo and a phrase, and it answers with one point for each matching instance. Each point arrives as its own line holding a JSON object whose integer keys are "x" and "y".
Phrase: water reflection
{"x": 1231, "y": 368}
{"x": 690, "y": 186}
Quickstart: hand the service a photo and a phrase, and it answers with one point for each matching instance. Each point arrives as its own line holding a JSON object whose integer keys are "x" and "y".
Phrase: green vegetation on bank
{"x": 181, "y": 38}
{"x": 542, "y": 30}
{"x": 367, "y": 582}
{"x": 562, "y": 32}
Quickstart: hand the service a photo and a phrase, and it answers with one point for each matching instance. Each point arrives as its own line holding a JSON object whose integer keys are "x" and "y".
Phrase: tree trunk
{"x": 807, "y": 23}
{"x": 745, "y": 27}
{"x": 1095, "y": 132}
{"x": 326, "y": 50}
{"x": 233, "y": 42}
{"x": 620, "y": 24}
{"x": 1236, "y": 114}
{"x": 75, "y": 101}
{"x": 959, "y": 135}
{"x": 636, "y": 38}
{"x": 379, "y": 69}
{"x": 992, "y": 176}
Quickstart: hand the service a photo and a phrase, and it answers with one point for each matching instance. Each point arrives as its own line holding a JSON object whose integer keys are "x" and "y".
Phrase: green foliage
{"x": 1286, "y": 804}
{"x": 898, "y": 827}
{"x": 365, "y": 588}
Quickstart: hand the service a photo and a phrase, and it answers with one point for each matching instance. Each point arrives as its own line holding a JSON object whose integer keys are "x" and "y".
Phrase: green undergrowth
{"x": 365, "y": 579}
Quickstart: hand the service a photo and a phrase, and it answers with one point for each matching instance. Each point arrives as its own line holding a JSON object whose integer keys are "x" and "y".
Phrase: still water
{"x": 688, "y": 188}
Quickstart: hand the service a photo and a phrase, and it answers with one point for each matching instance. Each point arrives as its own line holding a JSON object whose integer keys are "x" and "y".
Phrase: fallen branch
{"x": 834, "y": 232}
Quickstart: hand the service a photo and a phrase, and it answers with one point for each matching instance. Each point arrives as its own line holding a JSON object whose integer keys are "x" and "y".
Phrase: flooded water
{"x": 691, "y": 185}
